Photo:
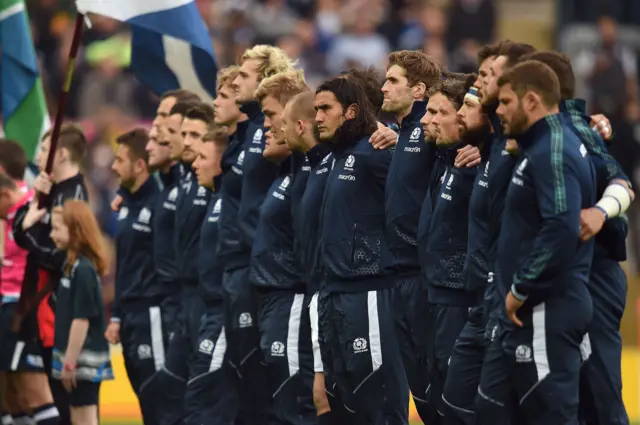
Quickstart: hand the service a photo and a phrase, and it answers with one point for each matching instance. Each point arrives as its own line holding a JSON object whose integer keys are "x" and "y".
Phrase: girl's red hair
{"x": 85, "y": 236}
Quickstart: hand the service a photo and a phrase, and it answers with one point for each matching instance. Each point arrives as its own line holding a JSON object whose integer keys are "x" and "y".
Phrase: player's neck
{"x": 140, "y": 180}
{"x": 65, "y": 172}
{"x": 307, "y": 142}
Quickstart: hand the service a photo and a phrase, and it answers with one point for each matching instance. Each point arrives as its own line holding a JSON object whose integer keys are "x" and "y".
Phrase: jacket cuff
{"x": 114, "y": 320}
{"x": 520, "y": 296}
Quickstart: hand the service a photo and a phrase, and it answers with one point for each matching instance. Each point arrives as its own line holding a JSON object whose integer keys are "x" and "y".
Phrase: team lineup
{"x": 291, "y": 256}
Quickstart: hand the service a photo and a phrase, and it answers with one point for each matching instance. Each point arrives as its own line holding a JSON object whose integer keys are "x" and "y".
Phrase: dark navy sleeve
{"x": 606, "y": 166}
{"x": 379, "y": 163}
{"x": 558, "y": 192}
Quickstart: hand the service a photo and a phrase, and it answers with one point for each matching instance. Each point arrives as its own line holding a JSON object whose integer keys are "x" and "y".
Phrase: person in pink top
{"x": 22, "y": 369}
{"x": 14, "y": 259}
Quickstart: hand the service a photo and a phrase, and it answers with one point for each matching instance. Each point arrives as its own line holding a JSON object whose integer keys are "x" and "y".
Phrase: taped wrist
{"x": 615, "y": 200}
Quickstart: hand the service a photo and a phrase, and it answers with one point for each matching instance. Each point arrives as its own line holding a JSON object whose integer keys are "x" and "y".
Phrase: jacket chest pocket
{"x": 366, "y": 244}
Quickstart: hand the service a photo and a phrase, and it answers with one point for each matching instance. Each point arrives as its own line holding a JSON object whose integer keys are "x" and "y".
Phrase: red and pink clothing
{"x": 15, "y": 258}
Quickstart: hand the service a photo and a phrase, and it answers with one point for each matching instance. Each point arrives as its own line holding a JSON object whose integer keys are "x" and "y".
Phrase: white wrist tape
{"x": 615, "y": 200}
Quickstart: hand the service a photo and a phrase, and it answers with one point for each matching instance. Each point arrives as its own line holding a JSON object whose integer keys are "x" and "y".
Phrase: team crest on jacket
{"x": 123, "y": 213}
{"x": 415, "y": 135}
{"x": 257, "y": 136}
{"x": 277, "y": 349}
{"x": 218, "y": 206}
{"x": 173, "y": 195}
{"x": 359, "y": 345}
{"x": 241, "y": 158}
{"x": 285, "y": 183}
{"x": 144, "y": 216}
{"x": 350, "y": 162}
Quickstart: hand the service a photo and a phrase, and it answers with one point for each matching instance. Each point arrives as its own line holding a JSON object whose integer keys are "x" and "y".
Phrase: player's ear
{"x": 531, "y": 101}
{"x": 351, "y": 112}
{"x": 418, "y": 91}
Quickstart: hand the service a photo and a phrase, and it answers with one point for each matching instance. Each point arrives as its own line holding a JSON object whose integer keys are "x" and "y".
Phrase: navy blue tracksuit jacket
{"x": 306, "y": 218}
{"x": 257, "y": 175}
{"x": 300, "y": 169}
{"x": 501, "y": 164}
{"x": 611, "y": 240}
{"x": 191, "y": 208}
{"x": 476, "y": 269}
{"x": 446, "y": 207}
{"x": 407, "y": 184}
{"x": 539, "y": 251}
{"x": 273, "y": 261}
{"x": 354, "y": 247}
{"x": 210, "y": 268}
{"x": 135, "y": 275}
{"x": 230, "y": 248}
{"x": 163, "y": 226}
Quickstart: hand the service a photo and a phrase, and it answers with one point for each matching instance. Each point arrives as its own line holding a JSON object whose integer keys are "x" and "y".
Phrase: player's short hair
{"x": 273, "y": 60}
{"x": 226, "y": 76}
{"x": 181, "y": 95}
{"x": 7, "y": 182}
{"x": 371, "y": 83}
{"x": 513, "y": 51}
{"x": 488, "y": 51}
{"x": 13, "y": 159}
{"x": 450, "y": 75}
{"x": 136, "y": 140}
{"x": 72, "y": 139}
{"x": 302, "y": 106}
{"x": 201, "y": 112}
{"x": 561, "y": 65}
{"x": 469, "y": 81}
{"x": 533, "y": 76}
{"x": 217, "y": 134}
{"x": 282, "y": 86}
{"x": 452, "y": 89}
{"x": 181, "y": 108}
{"x": 418, "y": 67}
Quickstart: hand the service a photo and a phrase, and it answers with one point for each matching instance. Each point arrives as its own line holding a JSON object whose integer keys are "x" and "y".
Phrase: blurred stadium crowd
{"x": 328, "y": 36}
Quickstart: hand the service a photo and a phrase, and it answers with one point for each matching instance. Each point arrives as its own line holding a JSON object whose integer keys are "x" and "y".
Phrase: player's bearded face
{"x": 511, "y": 113}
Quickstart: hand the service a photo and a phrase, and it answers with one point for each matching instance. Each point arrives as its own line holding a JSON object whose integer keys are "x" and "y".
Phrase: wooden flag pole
{"x": 62, "y": 102}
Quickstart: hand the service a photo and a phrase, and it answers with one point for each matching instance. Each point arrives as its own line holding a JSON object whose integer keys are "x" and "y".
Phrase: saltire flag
{"x": 24, "y": 109}
{"x": 170, "y": 44}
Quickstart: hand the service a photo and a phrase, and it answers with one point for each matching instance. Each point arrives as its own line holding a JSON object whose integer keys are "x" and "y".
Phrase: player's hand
{"x": 116, "y": 203}
{"x": 383, "y": 138}
{"x": 112, "y": 334}
{"x": 467, "y": 156}
{"x": 602, "y": 125}
{"x": 68, "y": 378}
{"x": 513, "y": 305}
{"x": 33, "y": 215}
{"x": 43, "y": 183}
{"x": 591, "y": 222}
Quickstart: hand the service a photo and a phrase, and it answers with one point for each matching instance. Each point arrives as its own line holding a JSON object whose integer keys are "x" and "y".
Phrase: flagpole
{"x": 64, "y": 96}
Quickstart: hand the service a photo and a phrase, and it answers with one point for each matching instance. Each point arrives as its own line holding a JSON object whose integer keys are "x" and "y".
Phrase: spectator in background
{"x": 611, "y": 70}
{"x": 360, "y": 45}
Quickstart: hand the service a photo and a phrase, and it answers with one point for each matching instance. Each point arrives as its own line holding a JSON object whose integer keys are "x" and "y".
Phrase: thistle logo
{"x": 359, "y": 345}
{"x": 277, "y": 349}
{"x": 245, "y": 320}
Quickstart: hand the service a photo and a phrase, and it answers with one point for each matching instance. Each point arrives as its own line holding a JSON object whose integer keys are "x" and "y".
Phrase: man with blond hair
{"x": 246, "y": 186}
{"x": 285, "y": 332}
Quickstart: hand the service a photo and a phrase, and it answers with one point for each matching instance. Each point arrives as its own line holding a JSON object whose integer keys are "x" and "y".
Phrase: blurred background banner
{"x": 112, "y": 92}
{"x": 24, "y": 110}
